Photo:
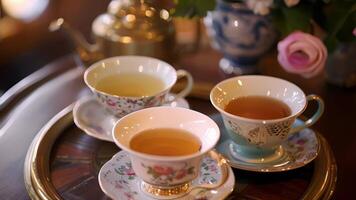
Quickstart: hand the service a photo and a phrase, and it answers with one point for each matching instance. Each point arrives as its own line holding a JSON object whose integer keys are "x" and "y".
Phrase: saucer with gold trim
{"x": 118, "y": 181}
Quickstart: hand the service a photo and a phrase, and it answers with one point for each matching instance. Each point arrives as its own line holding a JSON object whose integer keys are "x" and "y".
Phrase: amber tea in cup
{"x": 259, "y": 113}
{"x": 258, "y": 107}
{"x": 166, "y": 147}
{"x": 165, "y": 142}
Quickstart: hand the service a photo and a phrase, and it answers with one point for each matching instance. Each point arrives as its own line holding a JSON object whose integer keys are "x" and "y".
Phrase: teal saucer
{"x": 298, "y": 150}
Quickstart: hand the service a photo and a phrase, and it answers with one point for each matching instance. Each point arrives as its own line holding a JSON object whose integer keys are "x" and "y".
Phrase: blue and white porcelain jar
{"x": 242, "y": 36}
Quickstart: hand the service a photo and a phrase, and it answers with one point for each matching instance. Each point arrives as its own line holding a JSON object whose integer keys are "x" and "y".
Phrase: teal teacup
{"x": 259, "y": 140}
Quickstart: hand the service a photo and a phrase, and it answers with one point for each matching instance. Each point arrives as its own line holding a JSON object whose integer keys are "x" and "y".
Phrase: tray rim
{"x": 321, "y": 186}
{"x": 37, "y": 186}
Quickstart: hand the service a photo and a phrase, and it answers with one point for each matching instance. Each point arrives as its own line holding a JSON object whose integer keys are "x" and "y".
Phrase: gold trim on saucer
{"x": 166, "y": 191}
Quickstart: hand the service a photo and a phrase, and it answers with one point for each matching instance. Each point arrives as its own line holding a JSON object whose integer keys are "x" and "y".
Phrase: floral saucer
{"x": 300, "y": 149}
{"x": 96, "y": 121}
{"x": 118, "y": 180}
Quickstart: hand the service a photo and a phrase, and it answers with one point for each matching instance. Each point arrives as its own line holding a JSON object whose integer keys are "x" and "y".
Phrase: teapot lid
{"x": 133, "y": 20}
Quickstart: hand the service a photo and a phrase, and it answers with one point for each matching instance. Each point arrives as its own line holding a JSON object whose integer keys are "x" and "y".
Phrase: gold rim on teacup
{"x": 198, "y": 124}
{"x": 122, "y": 105}
{"x": 255, "y": 140}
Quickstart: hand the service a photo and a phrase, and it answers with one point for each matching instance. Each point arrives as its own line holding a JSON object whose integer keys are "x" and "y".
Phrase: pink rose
{"x": 302, "y": 53}
{"x": 130, "y": 172}
{"x": 354, "y": 32}
{"x": 163, "y": 170}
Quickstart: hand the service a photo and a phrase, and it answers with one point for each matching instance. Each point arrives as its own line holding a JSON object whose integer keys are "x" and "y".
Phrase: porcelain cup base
{"x": 255, "y": 155}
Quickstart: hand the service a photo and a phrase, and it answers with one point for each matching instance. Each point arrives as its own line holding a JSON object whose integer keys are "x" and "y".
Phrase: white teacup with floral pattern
{"x": 255, "y": 140}
{"x": 122, "y": 105}
{"x": 167, "y": 177}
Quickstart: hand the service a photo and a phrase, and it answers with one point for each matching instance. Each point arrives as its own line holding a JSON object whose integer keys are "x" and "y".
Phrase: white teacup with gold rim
{"x": 124, "y": 84}
{"x": 259, "y": 140}
{"x": 164, "y": 175}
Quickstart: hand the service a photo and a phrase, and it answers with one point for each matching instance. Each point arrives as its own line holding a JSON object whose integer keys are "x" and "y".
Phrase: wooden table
{"x": 335, "y": 125}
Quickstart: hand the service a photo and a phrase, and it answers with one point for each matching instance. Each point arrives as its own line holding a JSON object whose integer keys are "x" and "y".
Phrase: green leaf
{"x": 191, "y": 170}
{"x": 183, "y": 8}
{"x": 193, "y": 8}
{"x": 288, "y": 20}
{"x": 297, "y": 18}
{"x": 202, "y": 6}
{"x": 119, "y": 172}
{"x": 341, "y": 20}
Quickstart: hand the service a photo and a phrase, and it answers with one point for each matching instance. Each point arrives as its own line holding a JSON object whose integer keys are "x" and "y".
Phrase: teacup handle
{"x": 188, "y": 88}
{"x": 222, "y": 163}
{"x": 315, "y": 116}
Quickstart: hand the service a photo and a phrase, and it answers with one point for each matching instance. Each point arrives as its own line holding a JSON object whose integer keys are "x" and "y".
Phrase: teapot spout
{"x": 88, "y": 53}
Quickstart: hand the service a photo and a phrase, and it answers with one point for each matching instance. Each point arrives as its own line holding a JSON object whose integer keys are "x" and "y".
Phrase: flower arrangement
{"x": 302, "y": 49}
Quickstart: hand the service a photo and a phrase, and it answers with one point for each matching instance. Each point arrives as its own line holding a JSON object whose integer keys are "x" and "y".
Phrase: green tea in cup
{"x": 125, "y": 84}
{"x": 130, "y": 84}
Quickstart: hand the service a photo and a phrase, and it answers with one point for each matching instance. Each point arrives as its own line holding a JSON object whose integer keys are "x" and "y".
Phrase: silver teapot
{"x": 130, "y": 27}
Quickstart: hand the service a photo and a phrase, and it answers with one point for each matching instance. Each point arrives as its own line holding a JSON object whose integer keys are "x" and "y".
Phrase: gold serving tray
{"x": 36, "y": 168}
{"x": 39, "y": 183}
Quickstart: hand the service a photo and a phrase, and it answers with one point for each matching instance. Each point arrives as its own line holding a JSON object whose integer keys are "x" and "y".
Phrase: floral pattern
{"x": 122, "y": 106}
{"x": 207, "y": 167}
{"x": 301, "y": 148}
{"x": 118, "y": 180}
{"x": 167, "y": 174}
{"x": 126, "y": 170}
